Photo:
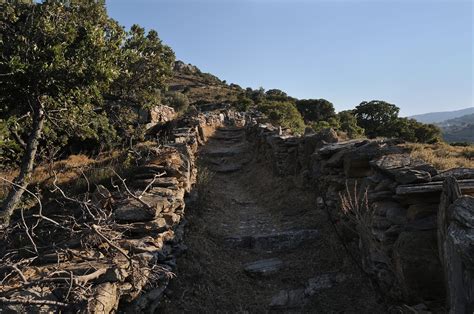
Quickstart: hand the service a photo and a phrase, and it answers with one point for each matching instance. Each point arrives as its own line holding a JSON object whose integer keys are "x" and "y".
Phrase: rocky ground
{"x": 257, "y": 244}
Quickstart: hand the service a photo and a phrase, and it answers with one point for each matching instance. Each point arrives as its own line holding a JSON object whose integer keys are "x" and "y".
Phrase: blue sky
{"x": 416, "y": 54}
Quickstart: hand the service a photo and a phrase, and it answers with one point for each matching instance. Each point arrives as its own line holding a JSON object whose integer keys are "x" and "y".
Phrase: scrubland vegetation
{"x": 73, "y": 81}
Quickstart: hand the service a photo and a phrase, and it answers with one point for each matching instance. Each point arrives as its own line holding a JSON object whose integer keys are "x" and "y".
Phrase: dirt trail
{"x": 256, "y": 244}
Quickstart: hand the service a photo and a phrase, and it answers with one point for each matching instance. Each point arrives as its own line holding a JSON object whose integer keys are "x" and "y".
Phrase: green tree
{"x": 145, "y": 65}
{"x": 257, "y": 95}
{"x": 428, "y": 133}
{"x": 57, "y": 59}
{"x": 348, "y": 124}
{"x": 316, "y": 109}
{"x": 178, "y": 101}
{"x": 376, "y": 117}
{"x": 243, "y": 103}
{"x": 284, "y": 114}
{"x": 331, "y": 123}
{"x": 276, "y": 95}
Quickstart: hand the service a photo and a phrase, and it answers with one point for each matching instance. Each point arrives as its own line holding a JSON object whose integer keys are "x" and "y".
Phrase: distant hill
{"x": 459, "y": 129}
{"x": 201, "y": 87}
{"x": 438, "y": 117}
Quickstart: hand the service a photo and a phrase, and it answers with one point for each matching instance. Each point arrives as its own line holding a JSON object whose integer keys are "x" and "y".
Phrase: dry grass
{"x": 77, "y": 173}
{"x": 443, "y": 156}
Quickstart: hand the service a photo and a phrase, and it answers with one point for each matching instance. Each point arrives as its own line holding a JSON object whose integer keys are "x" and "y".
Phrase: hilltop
{"x": 200, "y": 87}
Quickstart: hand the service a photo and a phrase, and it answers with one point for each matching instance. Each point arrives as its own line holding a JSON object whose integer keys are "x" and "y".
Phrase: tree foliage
{"x": 284, "y": 114}
{"x": 348, "y": 124}
{"x": 380, "y": 118}
{"x": 61, "y": 58}
{"x": 375, "y": 117}
{"x": 145, "y": 64}
{"x": 65, "y": 67}
{"x": 316, "y": 110}
{"x": 178, "y": 101}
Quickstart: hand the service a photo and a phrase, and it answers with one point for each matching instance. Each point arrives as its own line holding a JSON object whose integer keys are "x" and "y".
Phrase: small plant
{"x": 204, "y": 178}
{"x": 355, "y": 206}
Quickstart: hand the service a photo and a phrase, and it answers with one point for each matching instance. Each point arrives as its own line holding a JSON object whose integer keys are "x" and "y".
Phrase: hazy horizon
{"x": 415, "y": 54}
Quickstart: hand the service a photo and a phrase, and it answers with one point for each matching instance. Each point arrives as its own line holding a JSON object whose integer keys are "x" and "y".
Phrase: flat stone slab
{"x": 289, "y": 299}
{"x": 231, "y": 130}
{"x": 226, "y": 151}
{"x": 229, "y": 168}
{"x": 321, "y": 282}
{"x": 227, "y": 136}
{"x": 466, "y": 186}
{"x": 279, "y": 241}
{"x": 296, "y": 298}
{"x": 458, "y": 173}
{"x": 164, "y": 182}
{"x": 264, "y": 267}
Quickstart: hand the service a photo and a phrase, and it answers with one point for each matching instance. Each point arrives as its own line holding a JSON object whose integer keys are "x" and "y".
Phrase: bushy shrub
{"x": 178, "y": 101}
{"x": 243, "y": 103}
{"x": 348, "y": 124}
{"x": 284, "y": 114}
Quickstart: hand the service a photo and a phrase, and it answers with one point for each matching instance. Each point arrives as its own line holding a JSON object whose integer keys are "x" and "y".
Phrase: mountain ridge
{"x": 440, "y": 116}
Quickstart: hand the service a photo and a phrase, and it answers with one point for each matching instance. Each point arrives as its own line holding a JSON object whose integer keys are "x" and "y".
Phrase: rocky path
{"x": 257, "y": 244}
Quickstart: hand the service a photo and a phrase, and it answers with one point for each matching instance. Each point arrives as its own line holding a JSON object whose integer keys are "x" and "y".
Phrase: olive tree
{"x": 57, "y": 58}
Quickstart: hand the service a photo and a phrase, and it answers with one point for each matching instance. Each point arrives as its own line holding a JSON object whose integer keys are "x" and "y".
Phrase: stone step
{"x": 220, "y": 136}
{"x": 280, "y": 241}
{"x": 231, "y": 130}
{"x": 227, "y": 168}
{"x": 225, "y": 151}
{"x": 264, "y": 267}
{"x": 297, "y": 298}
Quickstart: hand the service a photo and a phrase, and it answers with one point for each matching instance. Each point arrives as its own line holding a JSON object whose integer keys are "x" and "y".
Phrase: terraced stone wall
{"x": 397, "y": 233}
{"x": 118, "y": 249}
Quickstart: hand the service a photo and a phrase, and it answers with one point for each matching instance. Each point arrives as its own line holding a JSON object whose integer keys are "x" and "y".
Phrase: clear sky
{"x": 417, "y": 54}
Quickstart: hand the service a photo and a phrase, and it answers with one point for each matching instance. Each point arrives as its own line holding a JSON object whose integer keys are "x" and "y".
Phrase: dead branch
{"x": 32, "y": 302}
{"x": 138, "y": 198}
{"x": 40, "y": 205}
{"x": 151, "y": 183}
{"x": 96, "y": 229}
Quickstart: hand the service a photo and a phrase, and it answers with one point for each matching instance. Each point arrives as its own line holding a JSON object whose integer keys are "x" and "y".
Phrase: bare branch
{"x": 32, "y": 302}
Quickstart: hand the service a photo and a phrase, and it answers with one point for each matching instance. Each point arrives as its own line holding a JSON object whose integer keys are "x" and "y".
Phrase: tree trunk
{"x": 14, "y": 196}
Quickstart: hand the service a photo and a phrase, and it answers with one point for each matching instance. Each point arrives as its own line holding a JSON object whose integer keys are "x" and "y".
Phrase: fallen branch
{"x": 32, "y": 302}
{"x": 96, "y": 229}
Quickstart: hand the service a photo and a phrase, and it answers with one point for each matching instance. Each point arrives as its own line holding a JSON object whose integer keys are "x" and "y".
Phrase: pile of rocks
{"x": 402, "y": 194}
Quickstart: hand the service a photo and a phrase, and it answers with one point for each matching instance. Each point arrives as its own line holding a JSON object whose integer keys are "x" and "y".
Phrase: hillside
{"x": 459, "y": 129}
{"x": 437, "y": 117}
{"x": 201, "y": 87}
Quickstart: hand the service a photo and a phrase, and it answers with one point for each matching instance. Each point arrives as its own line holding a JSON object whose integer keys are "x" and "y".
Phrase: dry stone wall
{"x": 398, "y": 239}
{"x": 121, "y": 260}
